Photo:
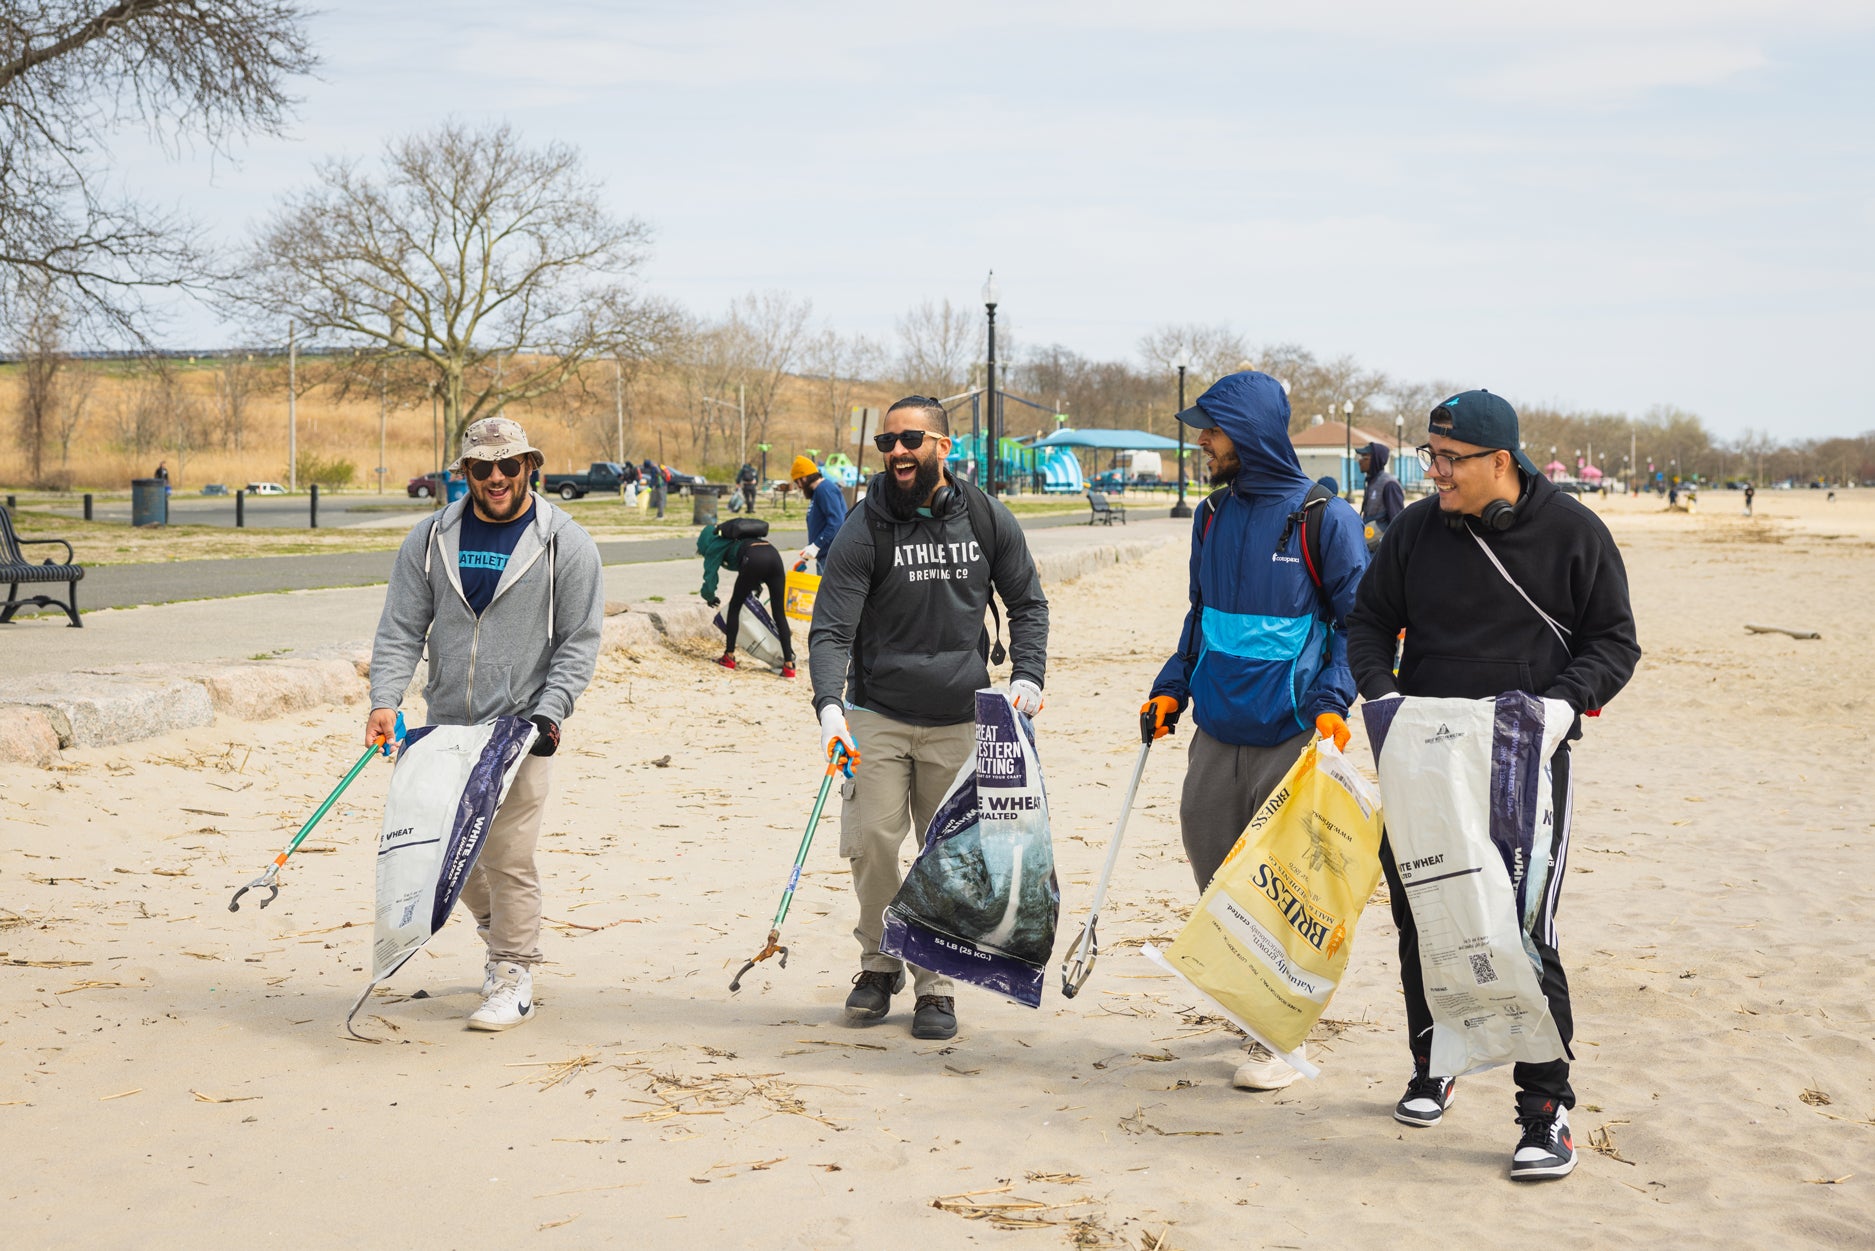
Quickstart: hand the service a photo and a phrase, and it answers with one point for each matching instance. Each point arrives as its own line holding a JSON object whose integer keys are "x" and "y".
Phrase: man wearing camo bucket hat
{"x": 508, "y": 592}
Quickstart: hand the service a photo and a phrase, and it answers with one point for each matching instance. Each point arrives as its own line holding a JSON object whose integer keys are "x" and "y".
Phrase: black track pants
{"x": 761, "y": 566}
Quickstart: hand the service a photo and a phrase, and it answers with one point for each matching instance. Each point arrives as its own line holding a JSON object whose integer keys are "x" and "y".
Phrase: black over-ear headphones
{"x": 1497, "y": 517}
{"x": 941, "y": 499}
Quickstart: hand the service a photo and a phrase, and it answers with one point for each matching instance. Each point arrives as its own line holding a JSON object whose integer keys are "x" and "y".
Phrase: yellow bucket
{"x": 799, "y": 598}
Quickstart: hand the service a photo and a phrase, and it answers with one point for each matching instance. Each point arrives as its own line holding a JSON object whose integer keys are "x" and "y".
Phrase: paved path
{"x": 126, "y": 586}
{"x": 259, "y": 624}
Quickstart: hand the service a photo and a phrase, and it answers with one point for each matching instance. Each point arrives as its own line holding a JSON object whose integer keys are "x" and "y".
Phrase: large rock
{"x": 257, "y": 691}
{"x": 99, "y": 709}
{"x": 628, "y": 632}
{"x": 684, "y": 622}
{"x": 27, "y": 736}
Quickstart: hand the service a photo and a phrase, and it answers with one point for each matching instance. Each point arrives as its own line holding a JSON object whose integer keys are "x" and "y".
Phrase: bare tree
{"x": 937, "y": 343}
{"x": 840, "y": 366}
{"x": 1210, "y": 351}
{"x": 71, "y": 71}
{"x": 236, "y": 379}
{"x": 41, "y": 350}
{"x": 493, "y": 264}
{"x": 764, "y": 334}
{"x": 74, "y": 404}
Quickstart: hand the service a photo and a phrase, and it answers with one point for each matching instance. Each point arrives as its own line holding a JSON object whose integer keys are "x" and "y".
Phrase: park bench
{"x": 16, "y": 569}
{"x": 1105, "y": 510}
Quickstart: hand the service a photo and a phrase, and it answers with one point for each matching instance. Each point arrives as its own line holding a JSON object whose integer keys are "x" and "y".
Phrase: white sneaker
{"x": 1263, "y": 1071}
{"x": 488, "y": 979}
{"x": 510, "y": 1003}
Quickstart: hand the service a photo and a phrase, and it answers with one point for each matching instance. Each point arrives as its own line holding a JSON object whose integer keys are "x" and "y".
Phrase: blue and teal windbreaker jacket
{"x": 1262, "y": 653}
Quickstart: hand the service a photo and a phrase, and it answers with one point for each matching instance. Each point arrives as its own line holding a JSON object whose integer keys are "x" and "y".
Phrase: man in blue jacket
{"x": 826, "y": 509}
{"x": 1261, "y": 661}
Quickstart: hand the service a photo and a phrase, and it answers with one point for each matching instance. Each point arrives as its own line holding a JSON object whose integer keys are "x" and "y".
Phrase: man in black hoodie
{"x": 1384, "y": 498}
{"x": 898, "y": 622}
{"x": 1502, "y": 583}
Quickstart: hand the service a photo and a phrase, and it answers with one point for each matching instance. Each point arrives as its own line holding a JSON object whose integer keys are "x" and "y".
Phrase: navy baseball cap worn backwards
{"x": 1482, "y": 420}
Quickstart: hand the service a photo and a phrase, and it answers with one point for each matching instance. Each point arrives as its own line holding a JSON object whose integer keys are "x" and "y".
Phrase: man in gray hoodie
{"x": 508, "y": 593}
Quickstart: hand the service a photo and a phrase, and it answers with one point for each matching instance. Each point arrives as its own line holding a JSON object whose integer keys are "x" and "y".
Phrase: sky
{"x": 1588, "y": 205}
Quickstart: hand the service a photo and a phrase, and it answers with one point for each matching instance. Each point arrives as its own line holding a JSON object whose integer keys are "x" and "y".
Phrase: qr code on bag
{"x": 1481, "y": 969}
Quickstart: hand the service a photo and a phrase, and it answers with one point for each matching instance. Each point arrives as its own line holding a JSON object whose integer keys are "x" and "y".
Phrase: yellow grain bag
{"x": 798, "y": 597}
{"x": 1269, "y": 940}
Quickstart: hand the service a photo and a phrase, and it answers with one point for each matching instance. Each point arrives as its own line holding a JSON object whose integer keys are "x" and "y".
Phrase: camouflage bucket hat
{"x": 493, "y": 438}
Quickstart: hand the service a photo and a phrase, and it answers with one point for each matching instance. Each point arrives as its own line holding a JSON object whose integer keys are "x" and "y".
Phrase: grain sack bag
{"x": 1470, "y": 818}
{"x": 447, "y": 785}
{"x": 979, "y": 902}
{"x": 1270, "y": 938}
{"x": 755, "y": 633}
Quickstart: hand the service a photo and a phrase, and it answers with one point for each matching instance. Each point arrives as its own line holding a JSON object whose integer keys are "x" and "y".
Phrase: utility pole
{"x": 618, "y": 404}
{"x": 380, "y": 434}
{"x": 742, "y": 428}
{"x": 292, "y": 411}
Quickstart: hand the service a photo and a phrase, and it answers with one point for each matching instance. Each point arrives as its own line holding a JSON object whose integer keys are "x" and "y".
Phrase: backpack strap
{"x": 1309, "y": 518}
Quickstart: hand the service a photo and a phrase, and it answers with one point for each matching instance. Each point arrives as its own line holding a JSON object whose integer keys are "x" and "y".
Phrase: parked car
{"x": 265, "y": 488}
{"x": 215, "y": 488}
{"x": 428, "y": 486}
{"x": 603, "y": 475}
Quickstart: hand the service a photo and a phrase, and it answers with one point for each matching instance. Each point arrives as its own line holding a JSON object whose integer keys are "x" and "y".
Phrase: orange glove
{"x": 1330, "y": 725}
{"x": 1161, "y": 714}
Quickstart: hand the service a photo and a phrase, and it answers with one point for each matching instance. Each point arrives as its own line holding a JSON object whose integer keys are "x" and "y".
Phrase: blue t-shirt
{"x": 486, "y": 546}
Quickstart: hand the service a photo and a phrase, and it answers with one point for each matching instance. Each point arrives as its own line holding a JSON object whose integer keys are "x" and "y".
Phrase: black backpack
{"x": 737, "y": 529}
{"x": 1309, "y": 517}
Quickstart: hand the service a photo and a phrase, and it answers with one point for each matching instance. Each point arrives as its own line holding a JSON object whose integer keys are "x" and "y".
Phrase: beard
{"x": 903, "y": 503}
{"x": 1224, "y": 471}
{"x": 515, "y": 505}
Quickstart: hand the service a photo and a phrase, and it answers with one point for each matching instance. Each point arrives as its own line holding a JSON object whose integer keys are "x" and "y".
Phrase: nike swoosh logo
{"x": 527, "y": 1008}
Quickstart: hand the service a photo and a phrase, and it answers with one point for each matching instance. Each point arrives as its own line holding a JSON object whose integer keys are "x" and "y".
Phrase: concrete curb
{"x": 103, "y": 707}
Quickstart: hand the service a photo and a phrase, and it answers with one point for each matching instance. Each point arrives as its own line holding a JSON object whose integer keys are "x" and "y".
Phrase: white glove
{"x": 836, "y": 735}
{"x": 1025, "y": 696}
{"x": 811, "y": 551}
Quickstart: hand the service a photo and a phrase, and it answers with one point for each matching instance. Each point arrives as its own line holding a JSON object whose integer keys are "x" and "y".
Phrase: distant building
{"x": 1323, "y": 451}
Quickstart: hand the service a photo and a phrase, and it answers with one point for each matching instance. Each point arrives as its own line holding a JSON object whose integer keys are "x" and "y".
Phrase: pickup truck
{"x": 604, "y": 475}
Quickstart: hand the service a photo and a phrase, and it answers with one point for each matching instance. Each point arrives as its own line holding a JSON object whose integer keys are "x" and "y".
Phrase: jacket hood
{"x": 1378, "y": 453}
{"x": 1251, "y": 408}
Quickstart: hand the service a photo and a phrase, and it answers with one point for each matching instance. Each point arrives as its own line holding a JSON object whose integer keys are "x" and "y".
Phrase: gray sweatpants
{"x": 1224, "y": 787}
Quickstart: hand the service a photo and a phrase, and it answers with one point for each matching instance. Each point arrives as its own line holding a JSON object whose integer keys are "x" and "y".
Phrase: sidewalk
{"x": 283, "y": 623}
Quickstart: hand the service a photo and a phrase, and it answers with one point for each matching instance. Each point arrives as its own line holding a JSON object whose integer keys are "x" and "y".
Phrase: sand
{"x": 173, "y": 1075}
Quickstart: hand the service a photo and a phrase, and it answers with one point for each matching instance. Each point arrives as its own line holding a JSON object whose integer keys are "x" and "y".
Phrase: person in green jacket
{"x": 757, "y": 564}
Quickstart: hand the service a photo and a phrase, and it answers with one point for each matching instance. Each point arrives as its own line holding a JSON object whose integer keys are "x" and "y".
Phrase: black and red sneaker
{"x": 727, "y": 661}
{"x": 1546, "y": 1150}
{"x": 787, "y": 671}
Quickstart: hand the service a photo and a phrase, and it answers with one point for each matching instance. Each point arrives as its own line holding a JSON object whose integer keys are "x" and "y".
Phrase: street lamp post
{"x": 1183, "y": 361}
{"x": 1347, "y": 459}
{"x": 989, "y": 381}
{"x": 1399, "y": 437}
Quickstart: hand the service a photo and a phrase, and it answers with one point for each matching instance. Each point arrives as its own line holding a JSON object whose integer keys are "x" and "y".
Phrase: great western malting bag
{"x": 1269, "y": 941}
{"x": 448, "y": 783}
{"x": 979, "y": 903}
{"x": 1470, "y": 819}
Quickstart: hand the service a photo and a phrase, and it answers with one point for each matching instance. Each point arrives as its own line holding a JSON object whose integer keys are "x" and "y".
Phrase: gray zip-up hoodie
{"x": 532, "y": 650}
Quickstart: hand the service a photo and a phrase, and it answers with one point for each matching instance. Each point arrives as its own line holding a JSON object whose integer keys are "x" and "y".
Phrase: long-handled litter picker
{"x": 270, "y": 879}
{"x": 1079, "y": 963}
{"x": 837, "y": 762}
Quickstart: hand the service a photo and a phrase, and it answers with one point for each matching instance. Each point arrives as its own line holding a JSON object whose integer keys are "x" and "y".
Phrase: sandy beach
{"x": 176, "y": 1075}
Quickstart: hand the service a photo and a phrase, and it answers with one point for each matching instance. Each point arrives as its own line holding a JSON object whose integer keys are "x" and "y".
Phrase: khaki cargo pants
{"x": 904, "y": 771}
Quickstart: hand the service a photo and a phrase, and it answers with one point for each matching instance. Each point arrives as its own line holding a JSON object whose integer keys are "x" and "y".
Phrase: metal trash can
{"x": 149, "y": 502}
{"x": 703, "y": 505}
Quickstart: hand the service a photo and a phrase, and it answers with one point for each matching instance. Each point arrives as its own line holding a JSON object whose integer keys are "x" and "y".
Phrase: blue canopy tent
{"x": 1061, "y": 443}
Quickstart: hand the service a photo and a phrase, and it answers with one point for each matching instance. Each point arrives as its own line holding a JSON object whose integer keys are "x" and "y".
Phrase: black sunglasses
{"x": 912, "y": 440}
{"x": 510, "y": 467}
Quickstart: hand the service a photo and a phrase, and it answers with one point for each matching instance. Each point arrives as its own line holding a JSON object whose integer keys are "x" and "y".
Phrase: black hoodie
{"x": 921, "y": 641}
{"x": 1469, "y": 635}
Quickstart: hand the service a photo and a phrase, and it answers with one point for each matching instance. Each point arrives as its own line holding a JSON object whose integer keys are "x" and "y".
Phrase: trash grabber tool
{"x": 270, "y": 879}
{"x": 1079, "y": 962}
{"x": 837, "y": 762}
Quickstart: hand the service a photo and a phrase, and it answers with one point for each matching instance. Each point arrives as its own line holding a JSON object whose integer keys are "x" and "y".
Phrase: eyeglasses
{"x": 911, "y": 439}
{"x": 510, "y": 467}
{"x": 1441, "y": 462}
